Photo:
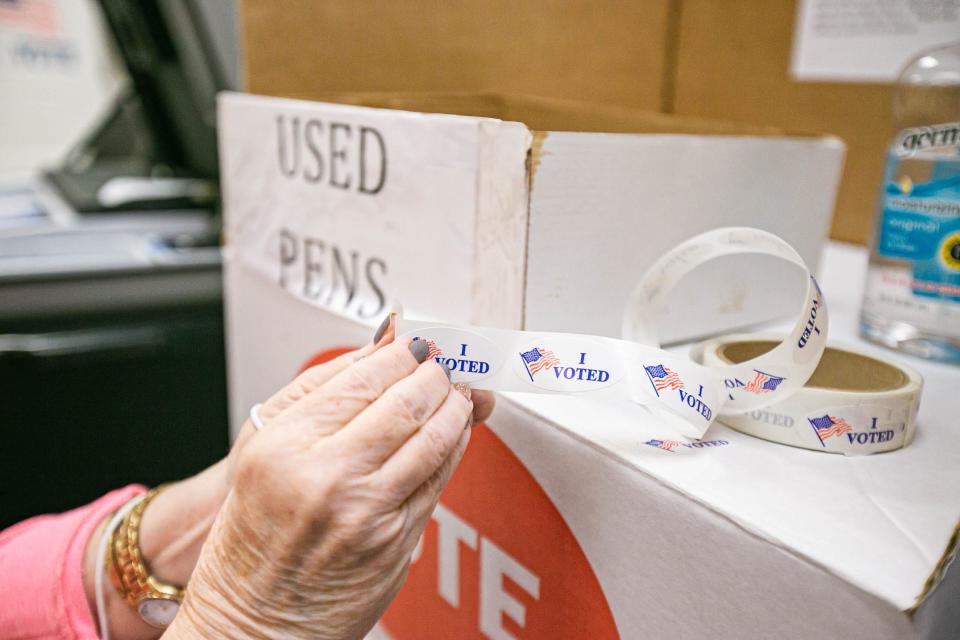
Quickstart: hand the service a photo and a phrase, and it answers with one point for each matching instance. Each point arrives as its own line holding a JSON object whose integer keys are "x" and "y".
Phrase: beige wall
{"x": 607, "y": 52}
{"x": 716, "y": 59}
{"x": 732, "y": 63}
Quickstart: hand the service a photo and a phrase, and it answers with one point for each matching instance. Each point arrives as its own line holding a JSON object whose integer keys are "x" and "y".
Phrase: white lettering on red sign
{"x": 451, "y": 531}
{"x": 495, "y": 565}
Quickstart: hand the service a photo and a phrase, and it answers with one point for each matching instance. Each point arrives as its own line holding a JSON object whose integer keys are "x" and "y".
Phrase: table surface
{"x": 881, "y": 522}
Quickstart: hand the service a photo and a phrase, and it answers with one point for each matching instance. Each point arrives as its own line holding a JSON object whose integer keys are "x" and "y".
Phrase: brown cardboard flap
{"x": 699, "y": 58}
{"x": 733, "y": 62}
{"x": 546, "y": 114}
{"x": 607, "y": 52}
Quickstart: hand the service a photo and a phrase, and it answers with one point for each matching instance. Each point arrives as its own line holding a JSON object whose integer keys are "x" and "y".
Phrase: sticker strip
{"x": 687, "y": 395}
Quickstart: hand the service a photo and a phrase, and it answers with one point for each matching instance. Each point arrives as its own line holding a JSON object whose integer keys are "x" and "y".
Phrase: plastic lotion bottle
{"x": 912, "y": 296}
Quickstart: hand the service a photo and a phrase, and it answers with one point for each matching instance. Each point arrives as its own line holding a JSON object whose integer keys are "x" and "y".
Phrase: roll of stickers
{"x": 854, "y": 403}
{"x": 683, "y": 394}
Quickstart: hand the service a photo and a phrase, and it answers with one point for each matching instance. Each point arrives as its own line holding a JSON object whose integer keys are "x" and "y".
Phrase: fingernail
{"x": 463, "y": 388}
{"x": 419, "y": 350}
{"x": 382, "y": 329}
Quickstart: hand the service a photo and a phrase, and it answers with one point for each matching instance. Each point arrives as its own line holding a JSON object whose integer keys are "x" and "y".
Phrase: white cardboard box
{"x": 467, "y": 219}
{"x": 561, "y": 522}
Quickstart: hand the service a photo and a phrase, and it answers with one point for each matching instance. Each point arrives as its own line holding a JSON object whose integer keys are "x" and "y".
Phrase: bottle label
{"x": 935, "y": 137}
{"x": 920, "y": 223}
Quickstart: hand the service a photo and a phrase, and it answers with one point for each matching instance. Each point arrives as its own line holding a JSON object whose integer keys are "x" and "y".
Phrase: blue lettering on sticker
{"x": 696, "y": 404}
{"x": 870, "y": 437}
{"x": 581, "y": 373}
{"x": 464, "y": 366}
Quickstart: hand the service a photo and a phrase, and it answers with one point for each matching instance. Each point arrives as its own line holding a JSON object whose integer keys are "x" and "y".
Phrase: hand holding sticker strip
{"x": 688, "y": 395}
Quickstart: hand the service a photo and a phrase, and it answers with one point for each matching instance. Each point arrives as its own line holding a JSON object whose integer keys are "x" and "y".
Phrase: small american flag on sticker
{"x": 666, "y": 445}
{"x": 663, "y": 378}
{"x": 433, "y": 351}
{"x": 38, "y": 16}
{"x": 539, "y": 359}
{"x": 828, "y": 426}
{"x": 763, "y": 383}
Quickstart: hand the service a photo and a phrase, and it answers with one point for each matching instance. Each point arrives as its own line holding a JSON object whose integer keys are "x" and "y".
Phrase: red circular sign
{"x": 519, "y": 570}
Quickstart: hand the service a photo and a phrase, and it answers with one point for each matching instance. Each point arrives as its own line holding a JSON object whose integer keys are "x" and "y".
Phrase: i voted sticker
{"x": 856, "y": 426}
{"x": 468, "y": 356}
{"x": 565, "y": 364}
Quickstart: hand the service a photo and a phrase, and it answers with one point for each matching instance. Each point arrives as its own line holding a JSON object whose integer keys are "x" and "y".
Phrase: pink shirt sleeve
{"x": 41, "y": 572}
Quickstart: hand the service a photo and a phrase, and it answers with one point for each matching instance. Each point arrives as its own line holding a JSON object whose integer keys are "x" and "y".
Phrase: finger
{"x": 316, "y": 376}
{"x": 355, "y": 388}
{"x": 387, "y": 330}
{"x": 483, "y": 403}
{"x": 423, "y": 500}
{"x": 404, "y": 408}
{"x": 426, "y": 449}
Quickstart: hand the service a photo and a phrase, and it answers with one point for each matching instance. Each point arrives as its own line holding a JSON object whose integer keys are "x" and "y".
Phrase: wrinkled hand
{"x": 314, "y": 377}
{"x": 329, "y": 500}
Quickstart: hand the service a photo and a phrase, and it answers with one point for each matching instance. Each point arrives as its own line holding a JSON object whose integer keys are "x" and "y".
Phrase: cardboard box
{"x": 351, "y": 208}
{"x": 562, "y": 523}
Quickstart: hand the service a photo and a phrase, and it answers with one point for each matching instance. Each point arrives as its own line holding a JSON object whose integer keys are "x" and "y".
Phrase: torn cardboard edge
{"x": 534, "y": 156}
{"x": 940, "y": 571}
